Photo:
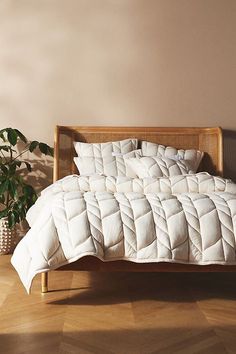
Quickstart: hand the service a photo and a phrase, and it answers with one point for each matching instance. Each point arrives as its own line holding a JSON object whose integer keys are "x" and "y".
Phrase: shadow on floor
{"x": 110, "y": 288}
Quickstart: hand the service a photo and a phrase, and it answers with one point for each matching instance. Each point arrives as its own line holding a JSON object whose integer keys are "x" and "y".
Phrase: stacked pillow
{"x": 192, "y": 157}
{"x": 104, "y": 158}
{"x": 155, "y": 166}
{"x": 121, "y": 158}
{"x": 164, "y": 161}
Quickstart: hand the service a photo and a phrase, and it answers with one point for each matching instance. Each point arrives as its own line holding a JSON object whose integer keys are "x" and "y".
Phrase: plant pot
{"x": 7, "y": 237}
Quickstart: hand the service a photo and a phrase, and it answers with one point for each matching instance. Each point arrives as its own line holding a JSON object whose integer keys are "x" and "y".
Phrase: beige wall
{"x": 118, "y": 62}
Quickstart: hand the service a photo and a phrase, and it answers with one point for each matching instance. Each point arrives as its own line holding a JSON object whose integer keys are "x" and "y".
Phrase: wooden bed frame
{"x": 208, "y": 140}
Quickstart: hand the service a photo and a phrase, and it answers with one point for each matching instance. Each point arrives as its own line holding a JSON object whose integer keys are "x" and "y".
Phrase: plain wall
{"x": 118, "y": 62}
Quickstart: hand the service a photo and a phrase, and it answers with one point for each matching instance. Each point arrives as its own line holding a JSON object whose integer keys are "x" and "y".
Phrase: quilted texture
{"x": 142, "y": 222}
{"x": 201, "y": 182}
{"x": 193, "y": 157}
{"x": 105, "y": 149}
{"x": 157, "y": 167}
{"x": 111, "y": 165}
{"x": 105, "y": 158}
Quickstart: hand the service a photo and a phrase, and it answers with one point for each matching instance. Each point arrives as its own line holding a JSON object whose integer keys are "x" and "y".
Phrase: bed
{"x": 208, "y": 140}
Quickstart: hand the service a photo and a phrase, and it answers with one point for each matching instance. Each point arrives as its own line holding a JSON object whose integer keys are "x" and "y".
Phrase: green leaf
{"x": 12, "y": 169}
{"x": 16, "y": 215}
{"x": 5, "y": 147}
{"x": 34, "y": 198}
{"x": 12, "y": 136}
{"x": 28, "y": 166}
{"x": 11, "y": 219}
{"x": 2, "y": 136}
{"x": 3, "y": 168}
{"x": 3, "y": 213}
{"x": 33, "y": 145}
{"x": 4, "y": 186}
{"x": 12, "y": 187}
{"x": 43, "y": 148}
{"x": 21, "y": 136}
{"x": 18, "y": 163}
{"x": 19, "y": 207}
{"x": 22, "y": 213}
{"x": 28, "y": 190}
{"x": 50, "y": 151}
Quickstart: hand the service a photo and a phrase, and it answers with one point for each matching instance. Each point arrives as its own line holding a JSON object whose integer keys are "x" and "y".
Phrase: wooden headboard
{"x": 208, "y": 140}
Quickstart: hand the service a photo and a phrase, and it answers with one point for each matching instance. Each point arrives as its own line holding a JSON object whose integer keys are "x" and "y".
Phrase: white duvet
{"x": 182, "y": 219}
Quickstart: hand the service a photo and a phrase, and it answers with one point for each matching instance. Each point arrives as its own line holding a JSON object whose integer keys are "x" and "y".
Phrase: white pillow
{"x": 193, "y": 157}
{"x": 105, "y": 158}
{"x": 108, "y": 165}
{"x": 157, "y": 167}
{"x": 105, "y": 149}
{"x": 133, "y": 154}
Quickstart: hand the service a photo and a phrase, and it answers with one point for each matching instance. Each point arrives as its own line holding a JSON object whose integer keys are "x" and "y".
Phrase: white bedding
{"x": 182, "y": 219}
{"x": 104, "y": 158}
{"x": 193, "y": 156}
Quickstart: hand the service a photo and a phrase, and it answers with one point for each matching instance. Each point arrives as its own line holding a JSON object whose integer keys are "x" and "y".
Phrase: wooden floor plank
{"x": 122, "y": 313}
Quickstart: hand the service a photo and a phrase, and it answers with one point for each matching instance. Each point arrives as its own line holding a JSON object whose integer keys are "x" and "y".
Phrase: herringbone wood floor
{"x": 118, "y": 313}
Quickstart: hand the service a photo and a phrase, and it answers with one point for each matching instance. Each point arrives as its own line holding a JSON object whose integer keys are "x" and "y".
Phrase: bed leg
{"x": 44, "y": 282}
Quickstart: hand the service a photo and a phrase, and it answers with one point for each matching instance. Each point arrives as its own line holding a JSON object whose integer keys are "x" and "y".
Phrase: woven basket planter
{"x": 7, "y": 237}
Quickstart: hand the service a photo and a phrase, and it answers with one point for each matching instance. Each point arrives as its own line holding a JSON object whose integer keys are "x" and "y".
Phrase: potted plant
{"x": 16, "y": 195}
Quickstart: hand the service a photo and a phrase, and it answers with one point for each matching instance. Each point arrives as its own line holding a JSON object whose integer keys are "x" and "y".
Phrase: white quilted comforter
{"x": 183, "y": 219}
